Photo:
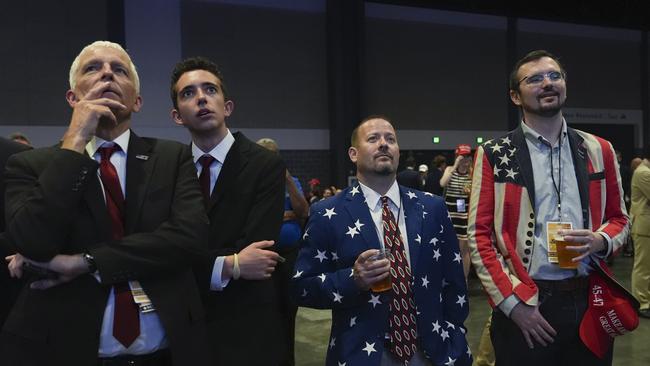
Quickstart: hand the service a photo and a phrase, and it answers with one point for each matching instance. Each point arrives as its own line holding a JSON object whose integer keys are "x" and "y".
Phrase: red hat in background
{"x": 612, "y": 311}
{"x": 463, "y": 149}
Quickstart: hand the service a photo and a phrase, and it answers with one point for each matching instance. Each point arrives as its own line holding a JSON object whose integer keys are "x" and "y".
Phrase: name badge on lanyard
{"x": 552, "y": 227}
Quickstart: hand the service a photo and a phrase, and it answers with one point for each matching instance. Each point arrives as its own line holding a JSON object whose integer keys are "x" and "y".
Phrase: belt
{"x": 158, "y": 358}
{"x": 566, "y": 285}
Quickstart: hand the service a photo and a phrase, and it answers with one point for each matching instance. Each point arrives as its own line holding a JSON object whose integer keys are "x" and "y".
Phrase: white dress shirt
{"x": 219, "y": 153}
{"x": 152, "y": 334}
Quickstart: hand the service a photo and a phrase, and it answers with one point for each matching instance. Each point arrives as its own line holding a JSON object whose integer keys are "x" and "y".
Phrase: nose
{"x": 200, "y": 95}
{"x": 107, "y": 72}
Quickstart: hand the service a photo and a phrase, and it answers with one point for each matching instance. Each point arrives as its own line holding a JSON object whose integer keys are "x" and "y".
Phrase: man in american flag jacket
{"x": 335, "y": 270}
{"x": 541, "y": 172}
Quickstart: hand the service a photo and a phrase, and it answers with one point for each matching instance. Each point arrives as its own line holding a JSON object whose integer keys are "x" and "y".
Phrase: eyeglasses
{"x": 552, "y": 76}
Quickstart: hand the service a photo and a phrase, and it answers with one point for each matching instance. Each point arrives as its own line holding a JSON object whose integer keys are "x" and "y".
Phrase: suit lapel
{"x": 94, "y": 197}
{"x": 413, "y": 217}
{"x": 358, "y": 210}
{"x": 579, "y": 155}
{"x": 236, "y": 161}
{"x": 525, "y": 166}
{"x": 139, "y": 166}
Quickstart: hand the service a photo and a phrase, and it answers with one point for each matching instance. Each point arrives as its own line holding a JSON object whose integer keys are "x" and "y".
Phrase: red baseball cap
{"x": 612, "y": 311}
{"x": 463, "y": 149}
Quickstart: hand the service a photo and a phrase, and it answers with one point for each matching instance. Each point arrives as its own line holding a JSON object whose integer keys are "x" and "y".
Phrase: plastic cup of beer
{"x": 564, "y": 255}
{"x": 384, "y": 284}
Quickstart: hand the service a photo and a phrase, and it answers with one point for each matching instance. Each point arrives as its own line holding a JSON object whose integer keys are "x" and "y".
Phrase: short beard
{"x": 548, "y": 111}
{"x": 384, "y": 170}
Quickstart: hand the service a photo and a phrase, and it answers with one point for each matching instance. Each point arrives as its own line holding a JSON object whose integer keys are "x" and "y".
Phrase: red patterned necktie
{"x": 204, "y": 177}
{"x": 126, "y": 317}
{"x": 403, "y": 332}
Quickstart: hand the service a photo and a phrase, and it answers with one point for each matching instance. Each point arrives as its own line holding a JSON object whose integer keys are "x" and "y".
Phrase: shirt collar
{"x": 219, "y": 152}
{"x": 96, "y": 142}
{"x": 373, "y": 199}
{"x": 535, "y": 137}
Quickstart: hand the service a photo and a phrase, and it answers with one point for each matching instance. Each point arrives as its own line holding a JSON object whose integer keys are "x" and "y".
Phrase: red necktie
{"x": 204, "y": 177}
{"x": 126, "y": 318}
{"x": 403, "y": 332}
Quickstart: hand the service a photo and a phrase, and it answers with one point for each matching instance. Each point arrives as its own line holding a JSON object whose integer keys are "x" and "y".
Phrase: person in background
{"x": 423, "y": 171}
{"x": 457, "y": 182}
{"x": 640, "y": 213}
{"x": 432, "y": 184}
{"x": 409, "y": 177}
{"x": 296, "y": 211}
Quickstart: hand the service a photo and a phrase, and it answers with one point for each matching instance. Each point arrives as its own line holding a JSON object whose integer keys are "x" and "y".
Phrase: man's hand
{"x": 256, "y": 262}
{"x": 68, "y": 267}
{"x": 367, "y": 271}
{"x": 86, "y": 115}
{"x": 532, "y": 324}
{"x": 587, "y": 241}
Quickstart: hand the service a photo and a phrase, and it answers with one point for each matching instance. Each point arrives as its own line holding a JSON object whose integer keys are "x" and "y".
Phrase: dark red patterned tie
{"x": 126, "y": 318}
{"x": 403, "y": 332}
{"x": 204, "y": 177}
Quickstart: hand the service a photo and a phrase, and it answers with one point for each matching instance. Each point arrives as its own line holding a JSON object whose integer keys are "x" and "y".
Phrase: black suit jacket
{"x": 55, "y": 205}
{"x": 246, "y": 206}
{"x": 409, "y": 178}
{"x": 9, "y": 286}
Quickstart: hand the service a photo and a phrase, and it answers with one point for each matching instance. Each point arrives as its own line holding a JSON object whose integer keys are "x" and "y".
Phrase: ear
{"x": 176, "y": 116}
{"x": 229, "y": 107}
{"x": 138, "y": 104}
{"x": 71, "y": 97}
{"x": 352, "y": 153}
{"x": 515, "y": 97}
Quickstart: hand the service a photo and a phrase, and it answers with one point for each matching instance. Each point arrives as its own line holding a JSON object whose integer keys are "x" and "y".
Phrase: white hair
{"x": 75, "y": 64}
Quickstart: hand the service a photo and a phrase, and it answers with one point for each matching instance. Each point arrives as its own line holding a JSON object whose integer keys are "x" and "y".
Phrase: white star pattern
{"x": 436, "y": 254}
{"x": 332, "y": 342}
{"x": 511, "y": 173}
{"x": 337, "y": 298}
{"x": 451, "y": 362}
{"x": 444, "y": 335}
{"x": 298, "y": 274}
{"x": 354, "y": 190}
{"x": 329, "y": 213}
{"x": 496, "y": 148}
{"x": 497, "y": 171}
{"x": 469, "y": 351}
{"x": 424, "y": 215}
{"x": 321, "y": 256}
{"x": 436, "y": 327}
{"x": 418, "y": 239}
{"x": 335, "y": 256}
{"x": 304, "y": 292}
{"x": 353, "y": 322}
{"x": 351, "y": 272}
{"x": 411, "y": 195}
{"x": 306, "y": 234}
{"x": 358, "y": 224}
{"x": 428, "y": 194}
{"x": 425, "y": 282}
{"x": 434, "y": 241}
{"x": 322, "y": 277}
{"x": 506, "y": 140}
{"x": 342, "y": 363}
{"x": 352, "y": 231}
{"x": 461, "y": 300}
{"x": 374, "y": 300}
{"x": 370, "y": 348}
{"x": 512, "y": 151}
{"x": 457, "y": 257}
{"x": 450, "y": 325}
{"x": 444, "y": 283}
{"x": 442, "y": 229}
{"x": 505, "y": 160}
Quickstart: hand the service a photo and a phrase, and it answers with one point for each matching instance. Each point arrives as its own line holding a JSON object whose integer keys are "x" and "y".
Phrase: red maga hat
{"x": 463, "y": 149}
{"x": 611, "y": 312}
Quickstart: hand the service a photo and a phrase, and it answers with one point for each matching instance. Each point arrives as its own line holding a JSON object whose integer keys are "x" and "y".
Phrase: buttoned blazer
{"x": 55, "y": 205}
{"x": 502, "y": 208}
{"x": 246, "y": 206}
{"x": 339, "y": 229}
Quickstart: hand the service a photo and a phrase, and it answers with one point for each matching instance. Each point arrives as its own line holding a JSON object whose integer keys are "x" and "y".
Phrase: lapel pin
{"x": 142, "y": 157}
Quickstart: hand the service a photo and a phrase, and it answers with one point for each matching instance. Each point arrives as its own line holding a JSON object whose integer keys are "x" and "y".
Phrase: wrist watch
{"x": 90, "y": 262}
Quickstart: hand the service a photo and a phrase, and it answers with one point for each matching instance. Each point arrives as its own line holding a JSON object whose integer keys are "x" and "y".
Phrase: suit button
{"x": 84, "y": 170}
{"x": 532, "y": 216}
{"x": 527, "y": 251}
{"x": 529, "y": 243}
{"x": 525, "y": 260}
{"x": 530, "y": 225}
{"x": 529, "y": 233}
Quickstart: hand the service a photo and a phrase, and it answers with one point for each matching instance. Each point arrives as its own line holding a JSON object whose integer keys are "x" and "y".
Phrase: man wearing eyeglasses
{"x": 540, "y": 183}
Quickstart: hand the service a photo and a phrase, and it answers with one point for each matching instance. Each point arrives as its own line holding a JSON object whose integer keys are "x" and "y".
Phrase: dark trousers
{"x": 563, "y": 310}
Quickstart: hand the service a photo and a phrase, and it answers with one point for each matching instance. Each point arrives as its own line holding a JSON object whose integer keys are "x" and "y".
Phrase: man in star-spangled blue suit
{"x": 336, "y": 266}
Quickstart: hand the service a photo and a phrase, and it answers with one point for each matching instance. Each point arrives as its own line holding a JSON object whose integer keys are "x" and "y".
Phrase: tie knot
{"x": 107, "y": 151}
{"x": 206, "y": 161}
{"x": 384, "y": 200}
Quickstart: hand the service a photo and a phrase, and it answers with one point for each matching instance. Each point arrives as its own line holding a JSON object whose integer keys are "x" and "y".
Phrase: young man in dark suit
{"x": 243, "y": 187}
{"x": 118, "y": 221}
{"x": 9, "y": 287}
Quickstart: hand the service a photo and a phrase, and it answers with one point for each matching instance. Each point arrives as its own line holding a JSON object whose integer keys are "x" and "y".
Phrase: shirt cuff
{"x": 608, "y": 244}
{"x": 216, "y": 282}
{"x": 508, "y": 304}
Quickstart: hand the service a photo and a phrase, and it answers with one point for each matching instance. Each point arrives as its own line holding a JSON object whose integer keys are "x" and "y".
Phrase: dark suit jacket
{"x": 9, "y": 286}
{"x": 409, "y": 178}
{"x": 55, "y": 205}
{"x": 246, "y": 206}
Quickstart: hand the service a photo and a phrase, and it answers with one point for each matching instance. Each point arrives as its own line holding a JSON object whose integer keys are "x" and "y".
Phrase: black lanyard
{"x": 557, "y": 186}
